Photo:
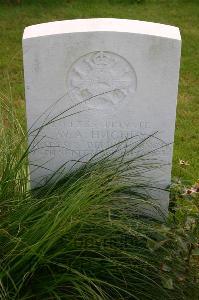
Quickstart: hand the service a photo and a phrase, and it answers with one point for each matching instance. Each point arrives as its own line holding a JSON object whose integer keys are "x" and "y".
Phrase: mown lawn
{"x": 181, "y": 13}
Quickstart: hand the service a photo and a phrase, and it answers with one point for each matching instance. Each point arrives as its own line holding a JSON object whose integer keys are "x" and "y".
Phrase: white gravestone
{"x": 120, "y": 77}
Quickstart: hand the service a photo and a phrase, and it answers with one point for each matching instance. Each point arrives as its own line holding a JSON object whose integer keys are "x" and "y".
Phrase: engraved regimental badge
{"x": 102, "y": 80}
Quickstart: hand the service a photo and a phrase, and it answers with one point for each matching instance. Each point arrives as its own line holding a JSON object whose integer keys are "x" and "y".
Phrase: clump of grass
{"x": 79, "y": 237}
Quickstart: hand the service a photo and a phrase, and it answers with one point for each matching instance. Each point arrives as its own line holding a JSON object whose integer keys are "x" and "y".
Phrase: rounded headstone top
{"x": 103, "y": 25}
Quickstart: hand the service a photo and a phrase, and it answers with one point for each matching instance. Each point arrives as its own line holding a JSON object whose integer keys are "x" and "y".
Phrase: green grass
{"x": 181, "y": 13}
{"x": 79, "y": 238}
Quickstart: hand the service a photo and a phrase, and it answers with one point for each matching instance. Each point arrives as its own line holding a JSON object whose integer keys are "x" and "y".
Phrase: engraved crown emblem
{"x": 102, "y": 59}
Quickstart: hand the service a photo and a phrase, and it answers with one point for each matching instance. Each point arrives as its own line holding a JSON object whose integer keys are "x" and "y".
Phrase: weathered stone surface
{"x": 119, "y": 76}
